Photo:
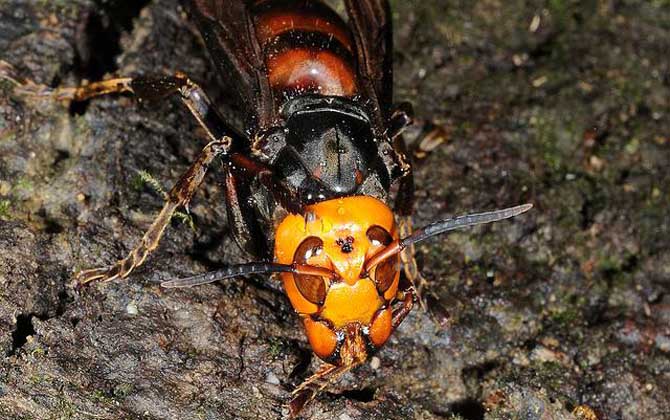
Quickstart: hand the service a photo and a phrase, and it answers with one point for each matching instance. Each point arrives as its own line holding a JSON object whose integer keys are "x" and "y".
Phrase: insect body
{"x": 310, "y": 172}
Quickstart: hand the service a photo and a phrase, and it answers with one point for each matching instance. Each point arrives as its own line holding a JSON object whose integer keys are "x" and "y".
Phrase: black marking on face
{"x": 346, "y": 244}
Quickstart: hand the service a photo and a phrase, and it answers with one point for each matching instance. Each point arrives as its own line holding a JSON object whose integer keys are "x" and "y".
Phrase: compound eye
{"x": 378, "y": 236}
{"x": 312, "y": 288}
{"x": 385, "y": 271}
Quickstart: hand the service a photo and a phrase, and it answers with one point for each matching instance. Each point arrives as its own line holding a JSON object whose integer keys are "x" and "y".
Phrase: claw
{"x": 102, "y": 274}
{"x": 308, "y": 390}
{"x": 7, "y": 72}
{"x": 326, "y": 376}
{"x": 106, "y": 274}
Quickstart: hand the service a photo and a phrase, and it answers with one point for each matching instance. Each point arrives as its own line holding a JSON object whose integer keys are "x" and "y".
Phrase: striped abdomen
{"x": 308, "y": 49}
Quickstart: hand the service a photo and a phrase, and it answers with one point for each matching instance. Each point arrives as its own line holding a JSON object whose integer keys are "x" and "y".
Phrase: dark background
{"x": 564, "y": 310}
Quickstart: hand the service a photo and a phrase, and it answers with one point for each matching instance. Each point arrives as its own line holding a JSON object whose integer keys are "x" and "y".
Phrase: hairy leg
{"x": 416, "y": 138}
{"x": 179, "y": 195}
{"x": 408, "y": 259}
{"x": 219, "y": 133}
{"x": 424, "y": 137}
{"x": 406, "y": 298}
{"x": 404, "y": 208}
{"x": 308, "y": 390}
{"x": 146, "y": 88}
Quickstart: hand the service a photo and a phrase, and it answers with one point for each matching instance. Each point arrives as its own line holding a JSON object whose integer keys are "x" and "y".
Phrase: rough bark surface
{"x": 560, "y": 314}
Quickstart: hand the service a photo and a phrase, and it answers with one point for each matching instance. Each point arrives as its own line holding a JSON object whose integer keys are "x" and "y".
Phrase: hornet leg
{"x": 404, "y": 208}
{"x": 196, "y": 101}
{"x": 308, "y": 390}
{"x": 424, "y": 137}
{"x": 151, "y": 88}
{"x": 179, "y": 195}
{"x": 406, "y": 299}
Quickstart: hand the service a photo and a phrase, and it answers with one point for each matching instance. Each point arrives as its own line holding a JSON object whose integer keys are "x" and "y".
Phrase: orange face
{"x": 345, "y": 315}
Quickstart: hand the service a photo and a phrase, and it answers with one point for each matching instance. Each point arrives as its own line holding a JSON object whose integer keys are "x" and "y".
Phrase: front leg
{"x": 407, "y": 298}
{"x": 404, "y": 206}
{"x": 408, "y": 258}
{"x": 179, "y": 195}
{"x": 421, "y": 136}
{"x": 148, "y": 88}
{"x": 220, "y": 136}
{"x": 308, "y": 390}
{"x": 424, "y": 136}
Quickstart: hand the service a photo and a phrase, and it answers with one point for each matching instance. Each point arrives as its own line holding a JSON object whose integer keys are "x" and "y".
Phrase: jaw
{"x": 353, "y": 352}
{"x": 354, "y": 349}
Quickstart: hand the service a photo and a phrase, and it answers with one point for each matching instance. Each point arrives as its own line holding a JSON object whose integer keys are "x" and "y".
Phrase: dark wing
{"x": 228, "y": 31}
{"x": 370, "y": 22}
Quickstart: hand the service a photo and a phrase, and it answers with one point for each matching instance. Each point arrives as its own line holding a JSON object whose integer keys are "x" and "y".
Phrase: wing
{"x": 370, "y": 21}
{"x": 228, "y": 31}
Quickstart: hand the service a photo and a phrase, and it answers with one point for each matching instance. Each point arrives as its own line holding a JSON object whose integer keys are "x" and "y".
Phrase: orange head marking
{"x": 341, "y": 235}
